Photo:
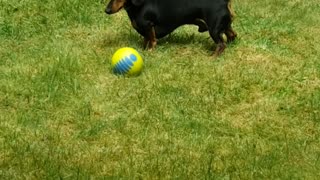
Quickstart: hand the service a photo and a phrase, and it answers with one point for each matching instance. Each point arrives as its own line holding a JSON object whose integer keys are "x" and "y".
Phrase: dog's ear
{"x": 137, "y": 2}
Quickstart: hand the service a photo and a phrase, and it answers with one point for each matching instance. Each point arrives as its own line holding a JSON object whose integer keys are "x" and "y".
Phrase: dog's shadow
{"x": 133, "y": 39}
{"x": 201, "y": 40}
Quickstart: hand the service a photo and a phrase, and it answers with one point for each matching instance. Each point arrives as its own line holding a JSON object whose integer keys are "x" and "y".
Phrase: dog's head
{"x": 116, "y": 5}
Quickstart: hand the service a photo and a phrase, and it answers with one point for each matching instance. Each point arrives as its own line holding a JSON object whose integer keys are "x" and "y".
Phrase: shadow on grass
{"x": 175, "y": 38}
{"x": 180, "y": 38}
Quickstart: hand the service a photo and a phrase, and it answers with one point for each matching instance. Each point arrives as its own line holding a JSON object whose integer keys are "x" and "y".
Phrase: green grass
{"x": 253, "y": 113}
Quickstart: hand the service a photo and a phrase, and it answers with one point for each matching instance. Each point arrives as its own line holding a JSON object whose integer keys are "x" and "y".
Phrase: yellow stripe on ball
{"x": 127, "y": 61}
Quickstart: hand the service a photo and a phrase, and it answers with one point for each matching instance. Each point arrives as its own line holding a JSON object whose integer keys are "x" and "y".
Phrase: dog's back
{"x": 167, "y": 15}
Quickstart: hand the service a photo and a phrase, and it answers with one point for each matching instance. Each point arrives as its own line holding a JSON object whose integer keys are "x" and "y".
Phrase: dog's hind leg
{"x": 221, "y": 45}
{"x": 231, "y": 34}
{"x": 217, "y": 26}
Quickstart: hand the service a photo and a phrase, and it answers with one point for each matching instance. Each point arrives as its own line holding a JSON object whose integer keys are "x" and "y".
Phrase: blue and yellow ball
{"x": 127, "y": 61}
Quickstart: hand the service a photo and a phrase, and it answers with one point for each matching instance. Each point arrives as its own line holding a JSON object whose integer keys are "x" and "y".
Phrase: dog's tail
{"x": 231, "y": 11}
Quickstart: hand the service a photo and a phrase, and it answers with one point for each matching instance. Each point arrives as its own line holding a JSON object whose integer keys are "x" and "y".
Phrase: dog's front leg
{"x": 149, "y": 33}
{"x": 145, "y": 42}
{"x": 152, "y": 38}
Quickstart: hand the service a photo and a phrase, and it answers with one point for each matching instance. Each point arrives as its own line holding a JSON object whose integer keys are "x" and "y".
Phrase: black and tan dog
{"x": 157, "y": 18}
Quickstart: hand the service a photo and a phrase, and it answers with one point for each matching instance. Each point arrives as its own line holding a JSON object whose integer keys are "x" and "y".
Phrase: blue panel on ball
{"x": 128, "y": 62}
{"x": 133, "y": 57}
{"x": 119, "y": 69}
{"x": 125, "y": 64}
{"x": 123, "y": 67}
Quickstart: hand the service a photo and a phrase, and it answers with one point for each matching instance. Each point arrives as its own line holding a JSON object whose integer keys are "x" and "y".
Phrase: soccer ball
{"x": 127, "y": 61}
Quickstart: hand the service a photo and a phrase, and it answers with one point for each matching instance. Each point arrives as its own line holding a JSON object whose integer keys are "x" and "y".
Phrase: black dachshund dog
{"x": 157, "y": 18}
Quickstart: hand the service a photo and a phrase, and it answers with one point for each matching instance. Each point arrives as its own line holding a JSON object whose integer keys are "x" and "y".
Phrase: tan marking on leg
{"x": 219, "y": 49}
{"x": 232, "y": 13}
{"x": 231, "y": 35}
{"x": 145, "y": 42}
{"x": 152, "y": 38}
{"x": 117, "y": 5}
{"x": 134, "y": 24}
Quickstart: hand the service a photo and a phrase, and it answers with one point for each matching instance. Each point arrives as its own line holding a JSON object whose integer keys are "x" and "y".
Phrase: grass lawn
{"x": 253, "y": 113}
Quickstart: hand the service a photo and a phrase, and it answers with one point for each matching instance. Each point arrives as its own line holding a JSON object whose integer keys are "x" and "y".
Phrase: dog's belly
{"x": 165, "y": 29}
{"x": 161, "y": 31}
